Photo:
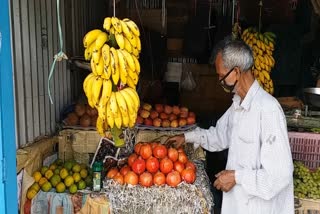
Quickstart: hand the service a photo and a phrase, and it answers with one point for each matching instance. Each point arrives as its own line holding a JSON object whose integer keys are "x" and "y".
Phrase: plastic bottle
{"x": 97, "y": 168}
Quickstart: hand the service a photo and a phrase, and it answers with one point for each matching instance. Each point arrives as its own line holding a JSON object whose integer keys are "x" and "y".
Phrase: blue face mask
{"x": 227, "y": 88}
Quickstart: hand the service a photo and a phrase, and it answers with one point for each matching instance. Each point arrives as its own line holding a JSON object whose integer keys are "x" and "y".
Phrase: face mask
{"x": 227, "y": 88}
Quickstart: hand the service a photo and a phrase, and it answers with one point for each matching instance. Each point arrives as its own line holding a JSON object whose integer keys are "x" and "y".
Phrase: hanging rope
{"x": 60, "y": 55}
{"x": 260, "y": 14}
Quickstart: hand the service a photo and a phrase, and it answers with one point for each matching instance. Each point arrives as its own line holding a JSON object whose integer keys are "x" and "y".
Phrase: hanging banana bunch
{"x": 262, "y": 45}
{"x": 111, "y": 86}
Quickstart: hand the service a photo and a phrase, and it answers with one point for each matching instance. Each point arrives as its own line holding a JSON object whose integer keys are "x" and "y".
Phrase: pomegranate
{"x": 152, "y": 164}
{"x": 188, "y": 175}
{"x": 178, "y": 166}
{"x": 159, "y": 179}
{"x": 139, "y": 166}
{"x": 112, "y": 172}
{"x": 145, "y": 179}
{"x": 132, "y": 158}
{"x": 173, "y": 179}
{"x": 166, "y": 165}
{"x": 160, "y": 151}
{"x": 124, "y": 170}
{"x": 190, "y": 165}
{"x": 131, "y": 178}
{"x": 137, "y": 148}
{"x": 183, "y": 157}
{"x": 173, "y": 154}
{"x": 145, "y": 151}
{"x": 119, "y": 178}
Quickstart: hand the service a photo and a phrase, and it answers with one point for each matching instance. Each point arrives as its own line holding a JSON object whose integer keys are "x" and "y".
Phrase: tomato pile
{"x": 153, "y": 163}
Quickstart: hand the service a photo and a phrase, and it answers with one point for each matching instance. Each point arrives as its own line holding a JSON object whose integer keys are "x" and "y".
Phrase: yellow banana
{"x": 258, "y": 44}
{"x": 106, "y": 72}
{"x": 88, "y": 52}
{"x": 116, "y": 24}
{"x": 101, "y": 39}
{"x": 260, "y": 52}
{"x": 130, "y": 82}
{"x": 138, "y": 41}
{"x": 113, "y": 104}
{"x": 133, "y": 75}
{"x": 101, "y": 108}
{"x": 118, "y": 119}
{"x": 100, "y": 66}
{"x": 114, "y": 66}
{"x": 93, "y": 67}
{"x": 132, "y": 109}
{"x": 136, "y": 64}
{"x": 110, "y": 118}
{"x": 122, "y": 105}
{"x": 120, "y": 40}
{"x": 266, "y": 74}
{"x": 135, "y": 52}
{"x": 107, "y": 23}
{"x": 127, "y": 45}
{"x": 134, "y": 96}
{"x": 112, "y": 30}
{"x": 129, "y": 60}
{"x": 85, "y": 81}
{"x": 269, "y": 52}
{"x": 90, "y": 37}
{"x": 100, "y": 126}
{"x": 96, "y": 54}
{"x": 96, "y": 89}
{"x": 123, "y": 67}
{"x": 261, "y": 77}
{"x": 132, "y": 26}
{"x": 271, "y": 45}
{"x": 106, "y": 91}
{"x": 87, "y": 84}
{"x": 262, "y": 65}
{"x": 106, "y": 54}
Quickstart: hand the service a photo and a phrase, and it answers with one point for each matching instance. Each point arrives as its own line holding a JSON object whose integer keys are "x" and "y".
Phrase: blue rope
{"x": 59, "y": 56}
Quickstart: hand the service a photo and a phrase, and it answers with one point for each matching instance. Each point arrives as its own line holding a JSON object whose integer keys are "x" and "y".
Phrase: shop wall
{"x": 35, "y": 41}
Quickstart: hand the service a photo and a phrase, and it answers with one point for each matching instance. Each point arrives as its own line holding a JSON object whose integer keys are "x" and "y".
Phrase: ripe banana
{"x": 123, "y": 67}
{"x": 132, "y": 26}
{"x": 120, "y": 40}
{"x": 96, "y": 89}
{"x": 110, "y": 118}
{"x": 116, "y": 24}
{"x": 122, "y": 105}
{"x": 106, "y": 54}
{"x": 134, "y": 96}
{"x": 106, "y": 91}
{"x": 101, "y": 39}
{"x": 101, "y": 109}
{"x": 129, "y": 59}
{"x": 93, "y": 67}
{"x": 135, "y": 52}
{"x": 100, "y": 66}
{"x": 133, "y": 76}
{"x": 87, "y": 84}
{"x": 114, "y": 66}
{"x": 107, "y": 23}
{"x": 127, "y": 45}
{"x": 136, "y": 64}
{"x": 88, "y": 51}
{"x": 90, "y": 37}
{"x": 100, "y": 126}
{"x": 96, "y": 54}
{"x": 132, "y": 109}
{"x": 138, "y": 41}
{"x": 113, "y": 104}
{"x": 118, "y": 120}
{"x": 106, "y": 72}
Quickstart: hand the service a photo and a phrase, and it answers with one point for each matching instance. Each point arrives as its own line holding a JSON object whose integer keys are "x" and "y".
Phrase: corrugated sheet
{"x": 35, "y": 42}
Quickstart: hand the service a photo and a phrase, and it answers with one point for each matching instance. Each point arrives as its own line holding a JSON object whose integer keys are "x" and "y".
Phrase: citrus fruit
{"x": 37, "y": 175}
{"x": 48, "y": 174}
{"x": 73, "y": 189}
{"x": 82, "y": 185}
{"x": 68, "y": 181}
{"x": 56, "y": 171}
{"x": 46, "y": 187}
{"x": 76, "y": 168}
{"x": 60, "y": 187}
{"x": 31, "y": 193}
{"x": 35, "y": 186}
{"x": 55, "y": 179}
{"x": 76, "y": 177}
{"x": 83, "y": 173}
{"x": 64, "y": 173}
{"x": 42, "y": 181}
{"x": 68, "y": 165}
{"x": 53, "y": 167}
{"x": 43, "y": 170}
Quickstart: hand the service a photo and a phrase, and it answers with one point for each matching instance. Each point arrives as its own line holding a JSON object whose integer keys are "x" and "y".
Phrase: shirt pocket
{"x": 249, "y": 129}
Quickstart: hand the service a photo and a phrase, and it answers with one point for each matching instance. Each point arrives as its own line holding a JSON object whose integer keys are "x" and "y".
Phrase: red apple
{"x": 176, "y": 110}
{"x": 139, "y": 120}
{"x": 153, "y": 114}
{"x": 191, "y": 120}
{"x": 148, "y": 122}
{"x": 157, "y": 122}
{"x": 167, "y": 109}
{"x": 174, "y": 124}
{"x": 158, "y": 108}
{"x": 146, "y": 106}
{"x": 165, "y": 123}
{"x": 172, "y": 117}
{"x": 144, "y": 113}
{"x": 163, "y": 116}
{"x": 182, "y": 122}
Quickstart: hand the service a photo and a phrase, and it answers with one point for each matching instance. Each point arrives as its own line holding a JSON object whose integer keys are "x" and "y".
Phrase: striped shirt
{"x": 256, "y": 134}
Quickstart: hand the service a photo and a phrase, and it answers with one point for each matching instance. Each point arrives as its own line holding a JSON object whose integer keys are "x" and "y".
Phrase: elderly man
{"x": 258, "y": 177}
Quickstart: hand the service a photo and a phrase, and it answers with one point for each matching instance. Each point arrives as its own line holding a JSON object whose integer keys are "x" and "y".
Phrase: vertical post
{"x": 8, "y": 183}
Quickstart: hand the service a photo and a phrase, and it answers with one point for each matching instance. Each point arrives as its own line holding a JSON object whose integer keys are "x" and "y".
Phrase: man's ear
{"x": 237, "y": 70}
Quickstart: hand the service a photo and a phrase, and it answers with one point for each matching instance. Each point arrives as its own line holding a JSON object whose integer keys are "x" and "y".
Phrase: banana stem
{"x": 260, "y": 14}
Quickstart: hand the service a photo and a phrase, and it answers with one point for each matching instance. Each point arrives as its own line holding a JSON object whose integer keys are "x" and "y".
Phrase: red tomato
{"x": 131, "y": 178}
{"x": 166, "y": 165}
{"x": 160, "y": 151}
{"x": 190, "y": 165}
{"x": 137, "y": 148}
{"x": 173, "y": 179}
{"x": 159, "y": 179}
{"x": 152, "y": 164}
{"x": 178, "y": 166}
{"x": 188, "y": 175}
{"x": 112, "y": 172}
{"x": 132, "y": 158}
{"x": 139, "y": 166}
{"x": 119, "y": 178}
{"x": 124, "y": 170}
{"x": 173, "y": 154}
{"x": 145, "y": 179}
{"x": 145, "y": 151}
{"x": 183, "y": 157}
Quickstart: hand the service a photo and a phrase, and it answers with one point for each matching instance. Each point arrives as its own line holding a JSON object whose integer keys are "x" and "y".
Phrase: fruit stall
{"x": 100, "y": 86}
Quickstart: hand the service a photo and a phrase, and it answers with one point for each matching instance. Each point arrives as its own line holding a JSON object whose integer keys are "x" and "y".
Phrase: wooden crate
{"x": 308, "y": 206}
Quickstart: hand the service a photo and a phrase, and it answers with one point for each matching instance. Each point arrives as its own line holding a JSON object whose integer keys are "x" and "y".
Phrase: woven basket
{"x": 308, "y": 206}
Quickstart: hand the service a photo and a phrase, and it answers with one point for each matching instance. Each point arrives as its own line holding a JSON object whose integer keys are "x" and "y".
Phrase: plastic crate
{"x": 305, "y": 147}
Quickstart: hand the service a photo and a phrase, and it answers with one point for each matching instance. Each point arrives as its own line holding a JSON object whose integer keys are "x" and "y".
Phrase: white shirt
{"x": 255, "y": 132}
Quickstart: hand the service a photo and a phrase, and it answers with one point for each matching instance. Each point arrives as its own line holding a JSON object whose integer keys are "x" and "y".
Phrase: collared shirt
{"x": 255, "y": 132}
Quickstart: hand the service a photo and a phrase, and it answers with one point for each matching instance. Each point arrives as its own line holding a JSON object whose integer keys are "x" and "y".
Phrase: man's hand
{"x": 225, "y": 180}
{"x": 177, "y": 141}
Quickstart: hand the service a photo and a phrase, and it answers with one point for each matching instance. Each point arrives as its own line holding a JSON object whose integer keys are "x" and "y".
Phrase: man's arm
{"x": 276, "y": 161}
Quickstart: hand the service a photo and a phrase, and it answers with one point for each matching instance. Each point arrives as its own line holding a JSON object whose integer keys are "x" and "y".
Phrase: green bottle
{"x": 97, "y": 168}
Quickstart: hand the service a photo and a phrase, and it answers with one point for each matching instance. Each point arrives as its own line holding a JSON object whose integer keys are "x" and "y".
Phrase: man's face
{"x": 227, "y": 78}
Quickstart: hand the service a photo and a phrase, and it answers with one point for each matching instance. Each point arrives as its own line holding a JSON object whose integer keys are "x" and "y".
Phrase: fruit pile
{"x": 306, "y": 182}
{"x": 165, "y": 116}
{"x": 262, "y": 45}
{"x": 155, "y": 164}
{"x": 82, "y": 115}
{"x": 110, "y": 88}
{"x": 60, "y": 176}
